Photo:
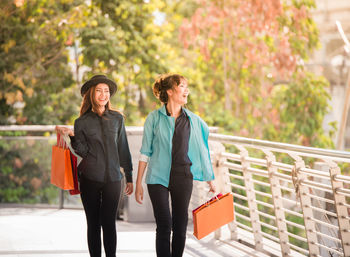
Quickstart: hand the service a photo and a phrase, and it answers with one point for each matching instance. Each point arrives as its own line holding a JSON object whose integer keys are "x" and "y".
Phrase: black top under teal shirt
{"x": 179, "y": 153}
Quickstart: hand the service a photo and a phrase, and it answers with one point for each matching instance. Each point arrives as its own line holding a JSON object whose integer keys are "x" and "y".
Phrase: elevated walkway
{"x": 30, "y": 232}
{"x": 289, "y": 200}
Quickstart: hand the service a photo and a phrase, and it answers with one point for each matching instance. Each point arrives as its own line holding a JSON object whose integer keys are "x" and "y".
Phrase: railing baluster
{"x": 278, "y": 204}
{"x": 305, "y": 201}
{"x": 222, "y": 181}
{"x": 253, "y": 207}
{"x": 342, "y": 211}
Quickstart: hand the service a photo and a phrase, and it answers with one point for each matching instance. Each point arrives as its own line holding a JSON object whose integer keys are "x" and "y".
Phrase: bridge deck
{"x": 51, "y": 232}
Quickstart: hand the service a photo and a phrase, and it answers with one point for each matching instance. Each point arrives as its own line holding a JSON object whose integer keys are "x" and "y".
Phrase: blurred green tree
{"x": 33, "y": 63}
{"x": 49, "y": 47}
{"x": 123, "y": 40}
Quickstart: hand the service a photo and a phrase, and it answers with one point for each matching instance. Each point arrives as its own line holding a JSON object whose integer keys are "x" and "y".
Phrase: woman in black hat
{"x": 99, "y": 137}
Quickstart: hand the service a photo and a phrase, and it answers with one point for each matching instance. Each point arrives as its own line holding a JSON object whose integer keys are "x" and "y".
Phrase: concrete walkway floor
{"x": 50, "y": 232}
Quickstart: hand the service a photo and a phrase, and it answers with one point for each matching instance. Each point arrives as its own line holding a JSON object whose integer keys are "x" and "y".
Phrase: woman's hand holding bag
{"x": 61, "y": 166}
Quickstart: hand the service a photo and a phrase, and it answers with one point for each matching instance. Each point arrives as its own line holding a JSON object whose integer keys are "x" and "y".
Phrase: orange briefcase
{"x": 212, "y": 215}
{"x": 61, "y": 167}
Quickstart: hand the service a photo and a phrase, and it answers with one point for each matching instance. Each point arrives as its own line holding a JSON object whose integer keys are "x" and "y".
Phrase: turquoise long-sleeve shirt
{"x": 157, "y": 144}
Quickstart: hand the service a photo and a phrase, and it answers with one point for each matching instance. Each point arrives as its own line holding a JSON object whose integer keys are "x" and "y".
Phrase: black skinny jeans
{"x": 100, "y": 201}
{"x": 180, "y": 189}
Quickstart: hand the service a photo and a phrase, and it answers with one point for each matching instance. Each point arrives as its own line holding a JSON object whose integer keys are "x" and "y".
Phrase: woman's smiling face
{"x": 179, "y": 93}
{"x": 102, "y": 94}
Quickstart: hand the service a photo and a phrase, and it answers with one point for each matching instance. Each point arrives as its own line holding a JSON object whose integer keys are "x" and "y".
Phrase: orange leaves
{"x": 12, "y": 97}
{"x": 17, "y": 179}
{"x": 283, "y": 59}
{"x": 15, "y": 92}
{"x": 36, "y": 183}
{"x": 184, "y": 33}
{"x": 205, "y": 23}
{"x": 18, "y": 163}
{"x": 300, "y": 13}
{"x": 18, "y": 3}
{"x": 247, "y": 23}
{"x": 261, "y": 14}
{"x": 274, "y": 117}
{"x": 70, "y": 40}
{"x": 29, "y": 91}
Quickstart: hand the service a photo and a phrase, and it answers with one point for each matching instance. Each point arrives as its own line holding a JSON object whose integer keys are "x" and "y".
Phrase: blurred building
{"x": 332, "y": 59}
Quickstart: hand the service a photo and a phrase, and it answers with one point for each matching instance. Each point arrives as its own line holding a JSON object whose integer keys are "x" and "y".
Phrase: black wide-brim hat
{"x": 97, "y": 79}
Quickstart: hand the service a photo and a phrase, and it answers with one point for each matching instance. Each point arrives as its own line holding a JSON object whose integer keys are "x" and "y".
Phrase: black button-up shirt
{"x": 102, "y": 143}
{"x": 179, "y": 152}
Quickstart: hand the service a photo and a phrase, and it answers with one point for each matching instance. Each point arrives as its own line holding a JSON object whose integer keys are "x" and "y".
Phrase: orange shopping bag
{"x": 212, "y": 215}
{"x": 61, "y": 167}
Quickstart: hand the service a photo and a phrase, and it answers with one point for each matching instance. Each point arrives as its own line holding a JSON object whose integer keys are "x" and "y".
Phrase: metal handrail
{"x": 276, "y": 146}
{"x": 342, "y": 156}
{"x": 32, "y": 128}
{"x": 51, "y": 128}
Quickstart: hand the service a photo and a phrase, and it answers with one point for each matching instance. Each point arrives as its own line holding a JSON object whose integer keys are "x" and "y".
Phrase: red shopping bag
{"x": 74, "y": 161}
{"x": 212, "y": 215}
{"x": 61, "y": 167}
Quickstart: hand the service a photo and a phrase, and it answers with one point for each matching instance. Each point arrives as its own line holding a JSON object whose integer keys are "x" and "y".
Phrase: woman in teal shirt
{"x": 175, "y": 149}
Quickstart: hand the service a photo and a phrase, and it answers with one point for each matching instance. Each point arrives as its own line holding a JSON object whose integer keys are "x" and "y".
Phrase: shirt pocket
{"x": 113, "y": 126}
{"x": 113, "y": 133}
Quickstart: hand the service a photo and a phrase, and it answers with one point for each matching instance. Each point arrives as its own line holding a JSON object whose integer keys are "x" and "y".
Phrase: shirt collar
{"x": 105, "y": 113}
{"x": 168, "y": 113}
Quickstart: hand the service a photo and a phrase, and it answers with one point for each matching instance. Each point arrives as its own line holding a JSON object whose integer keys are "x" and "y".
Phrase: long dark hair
{"x": 164, "y": 83}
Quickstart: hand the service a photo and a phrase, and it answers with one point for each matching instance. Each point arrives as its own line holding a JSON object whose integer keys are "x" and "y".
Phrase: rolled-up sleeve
{"x": 143, "y": 158}
{"x": 78, "y": 141}
{"x": 147, "y": 138}
{"x": 124, "y": 153}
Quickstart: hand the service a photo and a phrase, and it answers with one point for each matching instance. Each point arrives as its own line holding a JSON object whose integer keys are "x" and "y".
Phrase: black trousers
{"x": 100, "y": 201}
{"x": 180, "y": 190}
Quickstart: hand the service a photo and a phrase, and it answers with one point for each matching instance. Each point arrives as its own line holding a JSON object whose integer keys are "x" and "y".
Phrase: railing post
{"x": 253, "y": 208}
{"x": 222, "y": 182}
{"x": 278, "y": 204}
{"x": 305, "y": 202}
{"x": 342, "y": 211}
{"x": 225, "y": 188}
{"x": 61, "y": 199}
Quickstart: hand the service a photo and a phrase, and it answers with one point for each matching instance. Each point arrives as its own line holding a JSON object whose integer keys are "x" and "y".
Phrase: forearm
{"x": 212, "y": 187}
{"x": 140, "y": 172}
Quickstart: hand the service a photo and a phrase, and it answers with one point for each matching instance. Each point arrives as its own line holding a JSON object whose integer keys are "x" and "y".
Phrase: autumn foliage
{"x": 252, "y": 46}
{"x": 263, "y": 31}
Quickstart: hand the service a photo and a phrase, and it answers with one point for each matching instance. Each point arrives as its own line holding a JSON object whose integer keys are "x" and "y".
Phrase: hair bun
{"x": 163, "y": 83}
{"x": 156, "y": 88}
